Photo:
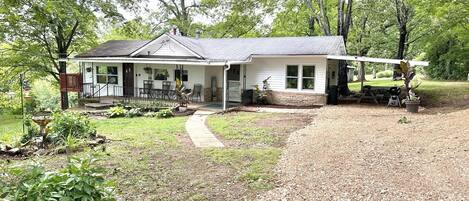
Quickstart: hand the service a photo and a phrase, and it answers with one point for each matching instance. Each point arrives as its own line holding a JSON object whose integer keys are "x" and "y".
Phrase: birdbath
{"x": 42, "y": 120}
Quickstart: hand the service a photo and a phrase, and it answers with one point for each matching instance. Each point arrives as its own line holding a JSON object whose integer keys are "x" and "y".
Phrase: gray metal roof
{"x": 235, "y": 49}
{"x": 114, "y": 48}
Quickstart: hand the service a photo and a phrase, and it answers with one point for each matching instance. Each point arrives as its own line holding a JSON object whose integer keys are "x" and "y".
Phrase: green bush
{"x": 153, "y": 106}
{"x": 166, "y": 113}
{"x": 70, "y": 123}
{"x": 117, "y": 111}
{"x": 150, "y": 114}
{"x": 45, "y": 95}
{"x": 81, "y": 179}
{"x": 384, "y": 74}
{"x": 134, "y": 112}
{"x": 32, "y": 130}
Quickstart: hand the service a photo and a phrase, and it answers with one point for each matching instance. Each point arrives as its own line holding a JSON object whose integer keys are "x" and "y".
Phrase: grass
{"x": 254, "y": 143}
{"x": 10, "y": 128}
{"x": 239, "y": 127}
{"x": 154, "y": 159}
{"x": 254, "y": 165}
{"x": 434, "y": 93}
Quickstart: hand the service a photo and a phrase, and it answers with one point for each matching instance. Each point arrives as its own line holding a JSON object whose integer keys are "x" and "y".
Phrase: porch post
{"x": 225, "y": 72}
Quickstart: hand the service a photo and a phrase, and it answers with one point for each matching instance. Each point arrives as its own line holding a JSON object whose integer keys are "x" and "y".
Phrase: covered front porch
{"x": 208, "y": 83}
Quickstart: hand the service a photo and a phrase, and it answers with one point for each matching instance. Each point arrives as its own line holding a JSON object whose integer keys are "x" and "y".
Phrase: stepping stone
{"x": 200, "y": 135}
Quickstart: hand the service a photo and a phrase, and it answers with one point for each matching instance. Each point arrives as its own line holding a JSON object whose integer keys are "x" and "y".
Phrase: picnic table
{"x": 374, "y": 93}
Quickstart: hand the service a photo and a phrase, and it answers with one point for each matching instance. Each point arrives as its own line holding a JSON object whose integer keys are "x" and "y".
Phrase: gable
{"x": 164, "y": 46}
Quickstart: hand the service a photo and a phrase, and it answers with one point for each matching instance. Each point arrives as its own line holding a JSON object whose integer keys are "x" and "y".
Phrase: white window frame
{"x": 300, "y": 77}
{"x": 292, "y": 77}
{"x": 107, "y": 74}
{"x": 313, "y": 78}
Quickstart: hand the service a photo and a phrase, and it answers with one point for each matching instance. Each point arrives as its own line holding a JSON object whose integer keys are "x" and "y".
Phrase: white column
{"x": 225, "y": 72}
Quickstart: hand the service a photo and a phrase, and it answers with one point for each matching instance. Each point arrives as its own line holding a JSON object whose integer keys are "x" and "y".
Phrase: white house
{"x": 298, "y": 68}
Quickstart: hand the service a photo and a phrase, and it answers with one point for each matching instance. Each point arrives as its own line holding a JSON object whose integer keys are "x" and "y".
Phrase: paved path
{"x": 198, "y": 131}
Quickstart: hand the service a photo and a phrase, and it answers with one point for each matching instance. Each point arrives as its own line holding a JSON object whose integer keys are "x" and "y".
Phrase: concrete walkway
{"x": 200, "y": 135}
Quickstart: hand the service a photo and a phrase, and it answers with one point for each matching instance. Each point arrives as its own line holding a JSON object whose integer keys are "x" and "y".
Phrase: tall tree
{"x": 239, "y": 18}
{"x": 178, "y": 13}
{"x": 344, "y": 21}
{"x": 404, "y": 15}
{"x": 50, "y": 30}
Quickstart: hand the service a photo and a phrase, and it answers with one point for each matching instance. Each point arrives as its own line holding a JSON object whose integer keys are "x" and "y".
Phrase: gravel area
{"x": 363, "y": 153}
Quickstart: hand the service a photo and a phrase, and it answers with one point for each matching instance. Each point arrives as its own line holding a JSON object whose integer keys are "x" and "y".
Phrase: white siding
{"x": 262, "y": 68}
{"x": 211, "y": 71}
{"x": 163, "y": 46}
{"x": 91, "y": 78}
{"x": 88, "y": 76}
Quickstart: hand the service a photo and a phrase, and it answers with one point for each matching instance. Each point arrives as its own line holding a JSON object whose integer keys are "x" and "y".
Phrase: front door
{"x": 234, "y": 83}
{"x": 128, "y": 77}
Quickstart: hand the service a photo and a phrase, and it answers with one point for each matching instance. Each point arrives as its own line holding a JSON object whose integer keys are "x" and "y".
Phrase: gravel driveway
{"x": 363, "y": 153}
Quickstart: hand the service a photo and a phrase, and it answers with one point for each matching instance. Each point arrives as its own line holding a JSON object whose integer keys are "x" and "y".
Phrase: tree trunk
{"x": 63, "y": 95}
{"x": 342, "y": 30}
{"x": 397, "y": 74}
{"x": 361, "y": 71}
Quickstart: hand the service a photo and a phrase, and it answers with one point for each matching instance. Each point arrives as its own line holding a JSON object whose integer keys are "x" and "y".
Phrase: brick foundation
{"x": 208, "y": 95}
{"x": 296, "y": 99}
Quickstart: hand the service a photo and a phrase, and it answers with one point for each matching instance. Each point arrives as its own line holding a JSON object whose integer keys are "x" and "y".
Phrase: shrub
{"x": 117, "y": 111}
{"x": 32, "y": 130}
{"x": 81, "y": 179}
{"x": 134, "y": 112}
{"x": 45, "y": 95}
{"x": 166, "y": 113}
{"x": 65, "y": 124}
{"x": 150, "y": 114}
{"x": 384, "y": 74}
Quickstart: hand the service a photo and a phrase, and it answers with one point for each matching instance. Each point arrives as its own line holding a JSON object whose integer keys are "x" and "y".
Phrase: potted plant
{"x": 182, "y": 95}
{"x": 148, "y": 71}
{"x": 412, "y": 101}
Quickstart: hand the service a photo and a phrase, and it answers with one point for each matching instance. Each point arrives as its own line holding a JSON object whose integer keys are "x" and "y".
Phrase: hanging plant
{"x": 148, "y": 70}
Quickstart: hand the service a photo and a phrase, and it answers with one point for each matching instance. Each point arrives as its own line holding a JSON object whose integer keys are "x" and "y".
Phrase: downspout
{"x": 225, "y": 76}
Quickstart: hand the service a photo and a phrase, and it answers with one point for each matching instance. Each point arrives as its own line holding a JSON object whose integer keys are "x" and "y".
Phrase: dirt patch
{"x": 281, "y": 125}
{"x": 363, "y": 153}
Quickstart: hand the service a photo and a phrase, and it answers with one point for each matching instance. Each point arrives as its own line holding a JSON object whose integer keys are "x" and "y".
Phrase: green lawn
{"x": 154, "y": 159}
{"x": 10, "y": 128}
{"x": 434, "y": 93}
{"x": 254, "y": 142}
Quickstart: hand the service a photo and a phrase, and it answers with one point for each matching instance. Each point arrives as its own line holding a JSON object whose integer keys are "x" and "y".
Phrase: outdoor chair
{"x": 147, "y": 87}
{"x": 197, "y": 92}
{"x": 166, "y": 90}
{"x": 394, "y": 99}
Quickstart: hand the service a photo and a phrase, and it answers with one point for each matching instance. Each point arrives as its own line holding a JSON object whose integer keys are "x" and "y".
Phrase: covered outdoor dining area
{"x": 379, "y": 94}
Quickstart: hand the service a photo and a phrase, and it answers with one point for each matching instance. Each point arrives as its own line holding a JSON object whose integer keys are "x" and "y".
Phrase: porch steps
{"x": 98, "y": 106}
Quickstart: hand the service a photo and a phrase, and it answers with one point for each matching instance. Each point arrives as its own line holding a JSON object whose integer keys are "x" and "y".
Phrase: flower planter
{"x": 412, "y": 106}
{"x": 182, "y": 108}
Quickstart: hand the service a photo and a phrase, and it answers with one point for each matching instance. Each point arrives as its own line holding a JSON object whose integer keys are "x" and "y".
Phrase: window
{"x": 177, "y": 75}
{"x": 106, "y": 74}
{"x": 161, "y": 74}
{"x": 292, "y": 77}
{"x": 308, "y": 77}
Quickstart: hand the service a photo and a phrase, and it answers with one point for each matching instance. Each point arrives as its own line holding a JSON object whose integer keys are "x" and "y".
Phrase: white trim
{"x": 143, "y": 47}
{"x": 225, "y": 78}
{"x": 299, "y": 87}
{"x": 286, "y": 55}
{"x": 151, "y": 61}
{"x": 170, "y": 38}
{"x": 183, "y": 46}
{"x": 377, "y": 60}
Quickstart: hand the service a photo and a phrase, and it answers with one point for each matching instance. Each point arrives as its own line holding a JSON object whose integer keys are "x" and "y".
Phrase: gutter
{"x": 226, "y": 67}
